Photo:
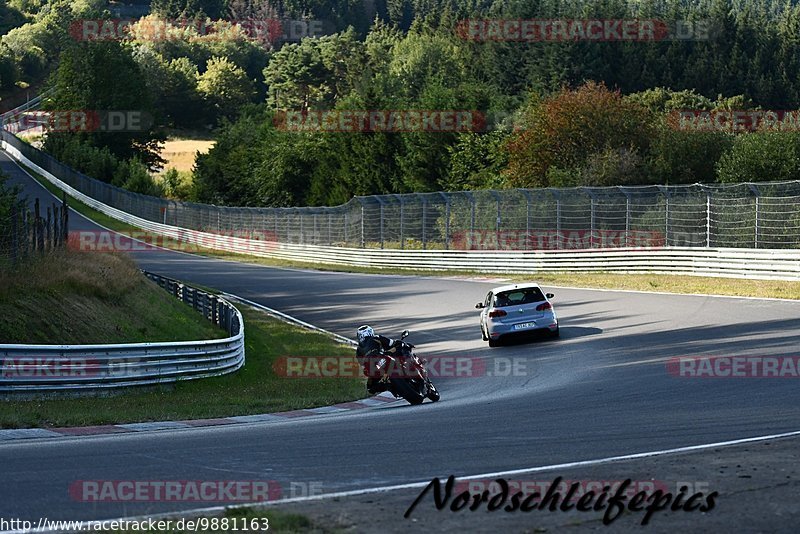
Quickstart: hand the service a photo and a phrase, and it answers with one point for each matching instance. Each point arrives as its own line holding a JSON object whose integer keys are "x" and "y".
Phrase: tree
{"x": 569, "y": 129}
{"x": 297, "y": 78}
{"x": 226, "y": 174}
{"x": 224, "y": 86}
{"x": 102, "y": 76}
{"x": 477, "y": 161}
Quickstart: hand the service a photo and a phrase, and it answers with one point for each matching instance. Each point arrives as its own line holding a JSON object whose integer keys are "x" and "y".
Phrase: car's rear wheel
{"x": 555, "y": 333}
{"x": 483, "y": 334}
{"x": 494, "y": 342}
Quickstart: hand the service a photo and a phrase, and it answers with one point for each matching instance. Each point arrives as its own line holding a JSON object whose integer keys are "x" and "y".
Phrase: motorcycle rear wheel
{"x": 404, "y": 388}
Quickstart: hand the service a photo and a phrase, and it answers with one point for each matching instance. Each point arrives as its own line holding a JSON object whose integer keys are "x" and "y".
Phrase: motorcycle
{"x": 405, "y": 373}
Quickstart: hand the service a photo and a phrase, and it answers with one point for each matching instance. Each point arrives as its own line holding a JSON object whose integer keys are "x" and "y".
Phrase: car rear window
{"x": 518, "y": 296}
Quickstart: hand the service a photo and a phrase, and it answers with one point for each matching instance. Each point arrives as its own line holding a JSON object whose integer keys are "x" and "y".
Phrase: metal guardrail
{"x": 41, "y": 368}
{"x": 33, "y": 103}
{"x": 758, "y": 263}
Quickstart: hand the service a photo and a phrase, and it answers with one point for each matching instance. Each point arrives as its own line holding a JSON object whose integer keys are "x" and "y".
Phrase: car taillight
{"x": 544, "y": 306}
{"x": 497, "y": 313}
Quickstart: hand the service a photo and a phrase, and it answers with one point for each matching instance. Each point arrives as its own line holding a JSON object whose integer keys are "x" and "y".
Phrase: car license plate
{"x": 520, "y": 326}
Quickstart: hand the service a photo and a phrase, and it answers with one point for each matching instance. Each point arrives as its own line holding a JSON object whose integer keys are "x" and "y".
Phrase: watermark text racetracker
{"x": 264, "y": 30}
{"x": 590, "y": 30}
{"x": 81, "y": 120}
{"x": 438, "y": 366}
{"x": 555, "y": 240}
{"x": 387, "y": 121}
{"x": 211, "y": 491}
{"x": 734, "y": 366}
{"x": 735, "y": 121}
{"x": 44, "y": 367}
{"x": 184, "y": 240}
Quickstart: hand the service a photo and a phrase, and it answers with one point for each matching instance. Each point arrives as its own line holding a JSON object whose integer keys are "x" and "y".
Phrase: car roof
{"x": 512, "y": 287}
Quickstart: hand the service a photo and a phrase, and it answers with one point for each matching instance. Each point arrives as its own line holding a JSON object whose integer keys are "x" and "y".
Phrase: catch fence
{"x": 749, "y": 215}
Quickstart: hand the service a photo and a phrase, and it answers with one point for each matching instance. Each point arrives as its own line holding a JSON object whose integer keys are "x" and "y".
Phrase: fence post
{"x": 56, "y": 225}
{"x": 559, "y": 237}
{"x": 39, "y": 233}
{"x": 592, "y": 219}
{"x": 47, "y": 231}
{"x": 498, "y": 220}
{"x": 757, "y": 193}
{"x": 363, "y": 243}
{"x": 627, "y": 215}
{"x": 330, "y": 227}
{"x": 301, "y": 215}
{"x": 424, "y": 223}
{"x": 590, "y": 194}
{"x": 402, "y": 220}
{"x": 380, "y": 201}
{"x": 472, "y": 214}
{"x": 26, "y": 248}
{"x": 14, "y": 236}
{"x": 708, "y": 218}
{"x": 446, "y": 220}
{"x": 666, "y": 192}
{"x": 527, "y": 218}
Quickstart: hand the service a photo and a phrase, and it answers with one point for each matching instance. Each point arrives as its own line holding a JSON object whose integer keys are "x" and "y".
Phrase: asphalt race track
{"x": 601, "y": 390}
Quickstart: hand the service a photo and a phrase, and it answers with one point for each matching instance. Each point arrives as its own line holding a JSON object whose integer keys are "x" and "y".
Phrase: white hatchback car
{"x": 516, "y": 310}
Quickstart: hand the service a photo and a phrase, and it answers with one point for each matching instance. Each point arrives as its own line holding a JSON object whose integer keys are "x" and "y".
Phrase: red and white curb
{"x": 37, "y": 433}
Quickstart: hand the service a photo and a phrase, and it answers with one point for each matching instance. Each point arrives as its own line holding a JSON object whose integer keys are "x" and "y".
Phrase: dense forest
{"x": 558, "y": 112}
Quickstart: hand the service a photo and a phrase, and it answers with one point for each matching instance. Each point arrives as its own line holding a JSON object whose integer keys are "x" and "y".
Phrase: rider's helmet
{"x": 364, "y": 332}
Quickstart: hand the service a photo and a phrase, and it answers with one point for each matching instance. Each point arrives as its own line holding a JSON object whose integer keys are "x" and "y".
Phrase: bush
{"x": 761, "y": 157}
{"x": 133, "y": 176}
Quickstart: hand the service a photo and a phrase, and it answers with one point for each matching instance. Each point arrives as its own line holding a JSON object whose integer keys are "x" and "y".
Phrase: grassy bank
{"x": 638, "y": 282}
{"x": 79, "y": 298}
{"x": 256, "y": 388}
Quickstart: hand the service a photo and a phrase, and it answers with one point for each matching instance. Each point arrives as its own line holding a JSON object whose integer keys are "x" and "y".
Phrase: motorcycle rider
{"x": 371, "y": 345}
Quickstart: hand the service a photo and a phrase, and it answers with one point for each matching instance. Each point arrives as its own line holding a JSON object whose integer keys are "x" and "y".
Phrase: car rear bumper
{"x": 543, "y": 324}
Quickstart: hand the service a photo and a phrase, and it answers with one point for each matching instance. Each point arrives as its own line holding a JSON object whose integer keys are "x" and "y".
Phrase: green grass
{"x": 640, "y": 282}
{"x": 80, "y": 298}
{"x": 256, "y": 388}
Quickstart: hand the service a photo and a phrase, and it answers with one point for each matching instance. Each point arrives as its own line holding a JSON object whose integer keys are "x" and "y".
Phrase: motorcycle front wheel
{"x": 433, "y": 393}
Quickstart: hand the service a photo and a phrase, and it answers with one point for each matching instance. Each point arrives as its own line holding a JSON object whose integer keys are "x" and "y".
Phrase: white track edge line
{"x": 288, "y": 318}
{"x": 416, "y": 485}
